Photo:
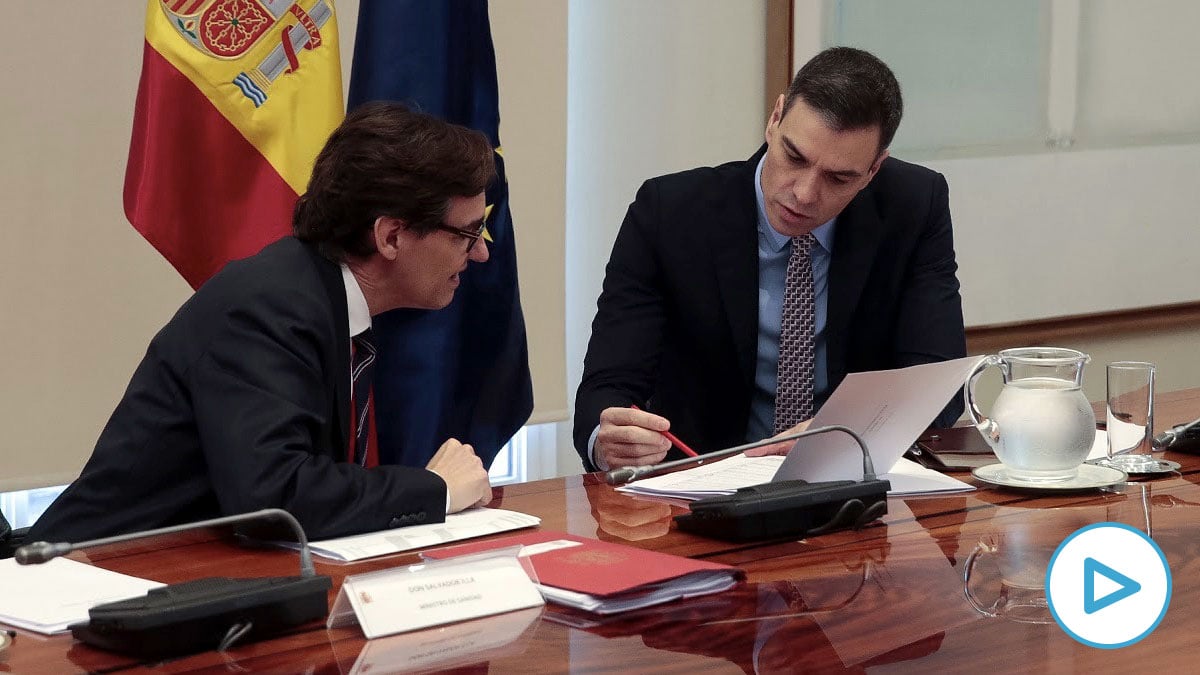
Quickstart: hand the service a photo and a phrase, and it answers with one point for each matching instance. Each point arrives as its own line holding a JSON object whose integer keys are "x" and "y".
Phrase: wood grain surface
{"x": 888, "y": 598}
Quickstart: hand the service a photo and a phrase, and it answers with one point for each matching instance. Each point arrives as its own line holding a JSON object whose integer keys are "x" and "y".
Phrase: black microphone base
{"x": 198, "y": 615}
{"x": 787, "y": 509}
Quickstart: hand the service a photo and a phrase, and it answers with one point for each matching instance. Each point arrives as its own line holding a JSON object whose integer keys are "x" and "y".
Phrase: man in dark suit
{"x": 244, "y": 400}
{"x": 690, "y": 319}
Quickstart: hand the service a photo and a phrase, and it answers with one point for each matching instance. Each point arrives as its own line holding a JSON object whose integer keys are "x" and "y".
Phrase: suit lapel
{"x": 859, "y": 233}
{"x": 337, "y": 379}
{"x": 735, "y": 261}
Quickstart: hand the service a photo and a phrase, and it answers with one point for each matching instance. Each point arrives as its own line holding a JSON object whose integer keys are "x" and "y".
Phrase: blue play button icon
{"x": 1125, "y": 586}
{"x": 1079, "y": 608}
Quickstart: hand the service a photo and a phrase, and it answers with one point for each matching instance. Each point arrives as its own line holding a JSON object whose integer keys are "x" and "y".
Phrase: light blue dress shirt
{"x": 774, "y": 249}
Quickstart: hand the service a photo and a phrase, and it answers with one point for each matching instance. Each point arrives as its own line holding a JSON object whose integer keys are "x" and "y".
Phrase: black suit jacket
{"x": 242, "y": 403}
{"x": 676, "y": 326}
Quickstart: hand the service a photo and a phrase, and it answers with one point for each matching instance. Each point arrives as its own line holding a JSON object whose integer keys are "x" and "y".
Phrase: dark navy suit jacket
{"x": 242, "y": 403}
{"x": 676, "y": 326}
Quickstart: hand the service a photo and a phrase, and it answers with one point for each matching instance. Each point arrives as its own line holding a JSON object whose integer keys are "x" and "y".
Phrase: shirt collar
{"x": 769, "y": 236}
{"x": 356, "y": 303}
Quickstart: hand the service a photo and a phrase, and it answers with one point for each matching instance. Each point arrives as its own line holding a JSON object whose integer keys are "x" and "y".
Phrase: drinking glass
{"x": 1130, "y": 423}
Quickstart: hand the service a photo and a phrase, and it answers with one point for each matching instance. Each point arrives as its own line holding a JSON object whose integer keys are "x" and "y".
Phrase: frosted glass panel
{"x": 973, "y": 72}
{"x": 1148, "y": 91}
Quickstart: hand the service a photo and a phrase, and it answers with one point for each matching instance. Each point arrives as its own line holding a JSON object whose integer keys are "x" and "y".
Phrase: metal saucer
{"x": 1144, "y": 466}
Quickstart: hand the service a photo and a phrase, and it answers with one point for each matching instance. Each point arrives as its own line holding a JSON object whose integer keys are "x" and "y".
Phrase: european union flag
{"x": 462, "y": 371}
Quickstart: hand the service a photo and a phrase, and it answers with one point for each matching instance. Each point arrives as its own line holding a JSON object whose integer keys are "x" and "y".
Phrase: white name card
{"x": 404, "y": 599}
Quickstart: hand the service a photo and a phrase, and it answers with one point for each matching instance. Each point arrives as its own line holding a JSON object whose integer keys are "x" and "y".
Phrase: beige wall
{"x": 654, "y": 87}
{"x": 83, "y": 293}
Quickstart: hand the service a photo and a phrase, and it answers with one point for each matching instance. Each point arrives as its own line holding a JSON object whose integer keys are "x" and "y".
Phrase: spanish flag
{"x": 236, "y": 99}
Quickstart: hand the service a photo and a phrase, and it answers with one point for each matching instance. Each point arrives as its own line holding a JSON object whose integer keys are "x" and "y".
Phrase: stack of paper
{"x": 458, "y": 526}
{"x": 723, "y": 477}
{"x": 49, "y": 597}
{"x": 726, "y": 476}
{"x": 602, "y": 577}
{"x": 888, "y": 409}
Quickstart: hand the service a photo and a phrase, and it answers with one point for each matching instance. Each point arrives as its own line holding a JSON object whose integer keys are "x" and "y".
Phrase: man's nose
{"x": 479, "y": 252}
{"x": 806, "y": 188}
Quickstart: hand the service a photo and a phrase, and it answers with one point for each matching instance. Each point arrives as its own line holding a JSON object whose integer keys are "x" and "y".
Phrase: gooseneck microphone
{"x": 1176, "y": 433}
{"x": 778, "y": 509}
{"x": 195, "y": 616}
{"x": 40, "y": 551}
{"x": 631, "y": 473}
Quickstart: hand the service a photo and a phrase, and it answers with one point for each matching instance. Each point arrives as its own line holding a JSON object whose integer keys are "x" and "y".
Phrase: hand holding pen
{"x": 630, "y": 437}
{"x": 674, "y": 440}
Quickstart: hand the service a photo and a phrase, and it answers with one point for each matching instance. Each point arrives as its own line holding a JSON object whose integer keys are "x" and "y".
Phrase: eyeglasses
{"x": 471, "y": 236}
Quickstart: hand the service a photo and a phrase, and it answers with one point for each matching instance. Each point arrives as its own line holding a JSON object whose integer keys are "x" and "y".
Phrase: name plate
{"x": 404, "y": 599}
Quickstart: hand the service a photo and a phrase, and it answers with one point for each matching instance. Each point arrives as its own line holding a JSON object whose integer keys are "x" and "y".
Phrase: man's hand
{"x": 778, "y": 448}
{"x": 464, "y": 474}
{"x": 629, "y": 437}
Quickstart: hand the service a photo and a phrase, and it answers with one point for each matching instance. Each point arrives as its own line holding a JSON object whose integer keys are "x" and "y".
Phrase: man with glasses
{"x": 737, "y": 297}
{"x": 257, "y": 393}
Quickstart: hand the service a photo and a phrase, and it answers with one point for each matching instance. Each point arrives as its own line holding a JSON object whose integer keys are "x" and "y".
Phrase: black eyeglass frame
{"x": 471, "y": 236}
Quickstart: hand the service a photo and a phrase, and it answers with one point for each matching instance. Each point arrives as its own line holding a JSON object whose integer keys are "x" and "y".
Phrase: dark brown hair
{"x": 850, "y": 89}
{"x": 387, "y": 160}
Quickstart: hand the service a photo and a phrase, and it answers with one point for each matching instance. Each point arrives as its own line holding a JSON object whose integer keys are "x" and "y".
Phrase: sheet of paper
{"x": 726, "y": 476}
{"x": 699, "y": 583}
{"x": 722, "y": 477}
{"x": 888, "y": 408}
{"x": 909, "y": 478}
{"x": 49, "y": 597}
{"x": 475, "y": 522}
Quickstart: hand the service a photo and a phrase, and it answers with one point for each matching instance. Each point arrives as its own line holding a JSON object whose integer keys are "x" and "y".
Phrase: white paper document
{"x": 722, "y": 477}
{"x": 692, "y": 585}
{"x": 49, "y": 597}
{"x": 475, "y": 522}
{"x": 909, "y": 478}
{"x": 888, "y": 408}
{"x": 906, "y": 477}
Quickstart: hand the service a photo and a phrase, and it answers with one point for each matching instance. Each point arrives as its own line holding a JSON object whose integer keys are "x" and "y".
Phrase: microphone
{"x": 1175, "y": 434}
{"x": 778, "y": 509}
{"x": 195, "y": 616}
{"x": 627, "y": 474}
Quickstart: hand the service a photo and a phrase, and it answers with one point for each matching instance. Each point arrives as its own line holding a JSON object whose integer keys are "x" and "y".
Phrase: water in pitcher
{"x": 1046, "y": 428}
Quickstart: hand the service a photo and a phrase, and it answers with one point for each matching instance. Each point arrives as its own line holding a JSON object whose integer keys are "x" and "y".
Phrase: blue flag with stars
{"x": 462, "y": 371}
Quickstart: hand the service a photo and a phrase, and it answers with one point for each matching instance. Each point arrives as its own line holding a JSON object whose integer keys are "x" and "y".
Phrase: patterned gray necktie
{"x": 794, "y": 391}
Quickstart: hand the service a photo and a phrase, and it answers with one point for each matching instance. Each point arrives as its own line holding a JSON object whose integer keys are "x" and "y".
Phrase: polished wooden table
{"x": 888, "y": 598}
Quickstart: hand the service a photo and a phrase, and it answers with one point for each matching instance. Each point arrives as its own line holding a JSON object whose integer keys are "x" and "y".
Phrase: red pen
{"x": 671, "y": 437}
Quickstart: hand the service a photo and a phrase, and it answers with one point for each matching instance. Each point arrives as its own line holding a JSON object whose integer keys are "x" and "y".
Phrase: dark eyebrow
{"x": 793, "y": 150}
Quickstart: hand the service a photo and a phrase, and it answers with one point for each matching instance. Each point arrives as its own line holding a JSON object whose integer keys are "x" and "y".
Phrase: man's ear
{"x": 878, "y": 163}
{"x": 389, "y": 236}
{"x": 775, "y": 118}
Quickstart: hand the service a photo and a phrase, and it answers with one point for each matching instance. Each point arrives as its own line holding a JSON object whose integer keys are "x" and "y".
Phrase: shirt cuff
{"x": 597, "y": 462}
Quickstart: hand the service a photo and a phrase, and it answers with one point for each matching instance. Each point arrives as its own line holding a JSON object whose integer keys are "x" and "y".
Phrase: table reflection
{"x": 1018, "y": 541}
{"x": 622, "y": 517}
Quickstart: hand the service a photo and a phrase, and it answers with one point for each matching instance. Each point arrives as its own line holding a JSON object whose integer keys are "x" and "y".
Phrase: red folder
{"x": 595, "y": 567}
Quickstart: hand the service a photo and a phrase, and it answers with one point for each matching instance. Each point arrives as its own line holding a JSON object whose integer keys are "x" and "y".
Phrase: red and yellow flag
{"x": 236, "y": 99}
